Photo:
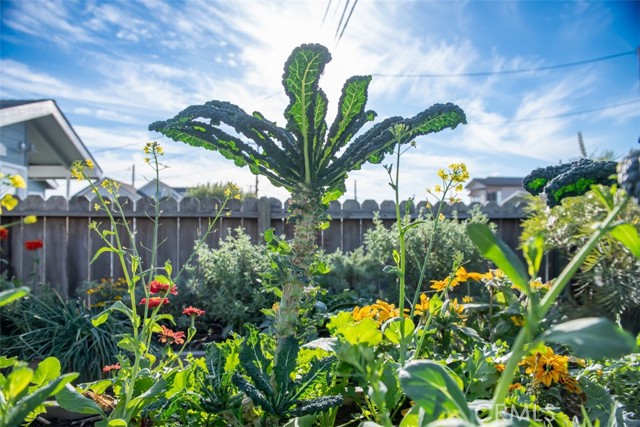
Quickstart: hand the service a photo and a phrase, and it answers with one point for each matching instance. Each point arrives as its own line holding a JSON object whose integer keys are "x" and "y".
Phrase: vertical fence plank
{"x": 78, "y": 243}
{"x": 249, "y": 211}
{"x": 332, "y": 236}
{"x": 209, "y": 208}
{"x": 190, "y": 230}
{"x": 31, "y": 270}
{"x": 55, "y": 236}
{"x": 351, "y": 227}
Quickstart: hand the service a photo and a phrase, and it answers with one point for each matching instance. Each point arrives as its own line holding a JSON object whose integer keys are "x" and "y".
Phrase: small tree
{"x": 307, "y": 157}
{"x": 216, "y": 189}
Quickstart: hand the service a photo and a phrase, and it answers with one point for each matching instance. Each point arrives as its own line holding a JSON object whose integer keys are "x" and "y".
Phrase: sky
{"x": 114, "y": 67}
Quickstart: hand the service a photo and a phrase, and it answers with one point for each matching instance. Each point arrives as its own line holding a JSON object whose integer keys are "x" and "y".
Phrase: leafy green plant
{"x": 285, "y": 397}
{"x": 226, "y": 281}
{"x": 24, "y": 390}
{"x": 44, "y": 325}
{"x": 216, "y": 189}
{"x": 307, "y": 157}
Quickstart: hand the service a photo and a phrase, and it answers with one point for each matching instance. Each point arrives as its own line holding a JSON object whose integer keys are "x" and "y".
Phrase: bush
{"x": 225, "y": 282}
{"x": 362, "y": 269}
{"x": 607, "y": 283}
{"x": 40, "y": 326}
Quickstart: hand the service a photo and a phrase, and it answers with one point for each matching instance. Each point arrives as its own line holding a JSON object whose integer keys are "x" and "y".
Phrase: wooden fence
{"x": 69, "y": 244}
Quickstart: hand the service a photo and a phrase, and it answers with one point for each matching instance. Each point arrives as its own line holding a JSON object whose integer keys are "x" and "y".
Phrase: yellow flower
{"x": 547, "y": 368}
{"x": 90, "y": 164}
{"x": 30, "y": 219}
{"x": 443, "y": 175}
{"x": 363, "y": 313}
{"x": 517, "y": 320}
{"x": 17, "y": 181}
{"x": 437, "y": 189}
{"x": 462, "y": 275}
{"x": 386, "y": 311}
{"x": 467, "y": 299}
{"x": 457, "y": 308}
{"x": 9, "y": 202}
{"x": 537, "y": 284}
{"x": 448, "y": 283}
{"x": 423, "y": 306}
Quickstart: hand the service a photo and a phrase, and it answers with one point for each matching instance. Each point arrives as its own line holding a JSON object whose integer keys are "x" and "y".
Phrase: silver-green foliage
{"x": 226, "y": 281}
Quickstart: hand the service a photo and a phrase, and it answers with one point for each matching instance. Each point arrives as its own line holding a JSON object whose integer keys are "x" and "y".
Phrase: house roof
{"x": 495, "y": 181}
{"x": 56, "y": 145}
{"x": 125, "y": 190}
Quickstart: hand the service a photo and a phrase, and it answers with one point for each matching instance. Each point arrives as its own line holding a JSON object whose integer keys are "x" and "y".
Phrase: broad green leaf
{"x": 496, "y": 251}
{"x": 593, "y": 337}
{"x": 11, "y": 295}
{"x": 285, "y": 363}
{"x": 133, "y": 345}
{"x": 627, "y": 234}
{"x": 47, "y": 370}
{"x": 18, "y": 379}
{"x": 158, "y": 388}
{"x": 71, "y": 400}
{"x": 17, "y": 414}
{"x": 118, "y": 422}
{"x": 435, "y": 389}
{"x": 100, "y": 318}
{"x": 392, "y": 329}
{"x": 533, "y": 252}
{"x": 5, "y": 361}
{"x": 363, "y": 332}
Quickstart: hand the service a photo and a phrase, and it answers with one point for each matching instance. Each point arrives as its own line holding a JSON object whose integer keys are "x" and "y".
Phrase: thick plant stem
{"x": 304, "y": 214}
{"x": 538, "y": 313}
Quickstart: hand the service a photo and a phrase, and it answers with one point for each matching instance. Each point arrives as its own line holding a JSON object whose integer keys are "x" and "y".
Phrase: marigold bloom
{"x": 517, "y": 386}
{"x": 30, "y": 219}
{"x": 4, "y": 233}
{"x": 499, "y": 367}
{"x": 154, "y": 301}
{"x": 192, "y": 311}
{"x": 111, "y": 367}
{"x": 171, "y": 337}
{"x": 156, "y": 287}
{"x": 33, "y": 245}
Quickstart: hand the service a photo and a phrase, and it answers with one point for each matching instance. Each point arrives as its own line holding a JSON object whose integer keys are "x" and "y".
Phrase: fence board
{"x": 70, "y": 243}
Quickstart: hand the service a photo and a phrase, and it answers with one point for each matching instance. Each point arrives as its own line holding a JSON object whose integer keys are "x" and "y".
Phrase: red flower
{"x": 33, "y": 245}
{"x": 154, "y": 301}
{"x": 192, "y": 311}
{"x": 111, "y": 367}
{"x": 4, "y": 233}
{"x": 156, "y": 287}
{"x": 171, "y": 337}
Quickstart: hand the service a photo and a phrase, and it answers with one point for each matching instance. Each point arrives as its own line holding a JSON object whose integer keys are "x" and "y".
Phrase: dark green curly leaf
{"x": 578, "y": 180}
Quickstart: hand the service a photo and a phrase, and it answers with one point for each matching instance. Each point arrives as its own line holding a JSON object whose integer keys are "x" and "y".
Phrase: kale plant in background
{"x": 308, "y": 157}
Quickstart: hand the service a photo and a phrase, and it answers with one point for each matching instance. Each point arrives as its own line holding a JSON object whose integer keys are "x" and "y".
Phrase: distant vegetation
{"x": 216, "y": 189}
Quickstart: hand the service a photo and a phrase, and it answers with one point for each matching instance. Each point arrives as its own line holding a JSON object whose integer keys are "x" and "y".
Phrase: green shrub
{"x": 607, "y": 283}
{"x": 225, "y": 282}
{"x": 45, "y": 325}
{"x": 362, "y": 269}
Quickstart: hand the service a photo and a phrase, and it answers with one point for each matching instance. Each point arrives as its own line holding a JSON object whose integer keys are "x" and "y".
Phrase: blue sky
{"x": 115, "y": 66}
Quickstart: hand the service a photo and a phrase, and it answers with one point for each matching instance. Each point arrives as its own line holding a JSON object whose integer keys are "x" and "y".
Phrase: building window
{"x": 492, "y": 196}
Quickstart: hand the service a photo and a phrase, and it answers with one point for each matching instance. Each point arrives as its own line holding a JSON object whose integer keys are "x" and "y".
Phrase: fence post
{"x": 264, "y": 216}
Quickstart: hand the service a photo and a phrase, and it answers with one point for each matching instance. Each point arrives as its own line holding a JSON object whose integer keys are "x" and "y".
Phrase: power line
{"x": 516, "y": 71}
{"x": 557, "y": 116}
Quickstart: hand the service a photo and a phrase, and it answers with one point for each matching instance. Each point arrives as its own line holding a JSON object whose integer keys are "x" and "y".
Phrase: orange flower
{"x": 423, "y": 306}
{"x": 171, "y": 337}
{"x": 156, "y": 287}
{"x": 517, "y": 386}
{"x": 499, "y": 367}
{"x": 547, "y": 368}
{"x": 154, "y": 301}
{"x": 386, "y": 311}
{"x": 462, "y": 275}
{"x": 4, "y": 233}
{"x": 367, "y": 311}
{"x": 33, "y": 245}
{"x": 192, "y": 311}
{"x": 111, "y": 367}
{"x": 441, "y": 285}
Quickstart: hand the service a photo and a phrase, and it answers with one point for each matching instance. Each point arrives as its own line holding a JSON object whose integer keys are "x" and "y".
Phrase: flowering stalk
{"x": 537, "y": 311}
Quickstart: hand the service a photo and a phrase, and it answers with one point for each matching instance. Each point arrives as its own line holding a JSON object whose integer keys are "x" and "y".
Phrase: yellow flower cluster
{"x": 232, "y": 191}
{"x": 381, "y": 311}
{"x": 454, "y": 177}
{"x": 106, "y": 292}
{"x": 548, "y": 368}
{"x": 152, "y": 149}
{"x": 9, "y": 201}
{"x": 460, "y": 276}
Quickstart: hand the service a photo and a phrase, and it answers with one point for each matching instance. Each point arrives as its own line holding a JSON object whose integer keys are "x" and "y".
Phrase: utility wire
{"x": 347, "y": 21}
{"x": 517, "y": 71}
{"x": 557, "y": 116}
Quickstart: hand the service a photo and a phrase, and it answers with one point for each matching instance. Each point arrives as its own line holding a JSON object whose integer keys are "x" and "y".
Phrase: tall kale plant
{"x": 307, "y": 157}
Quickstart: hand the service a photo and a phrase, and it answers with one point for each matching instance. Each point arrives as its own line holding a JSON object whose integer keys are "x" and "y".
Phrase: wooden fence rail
{"x": 69, "y": 244}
